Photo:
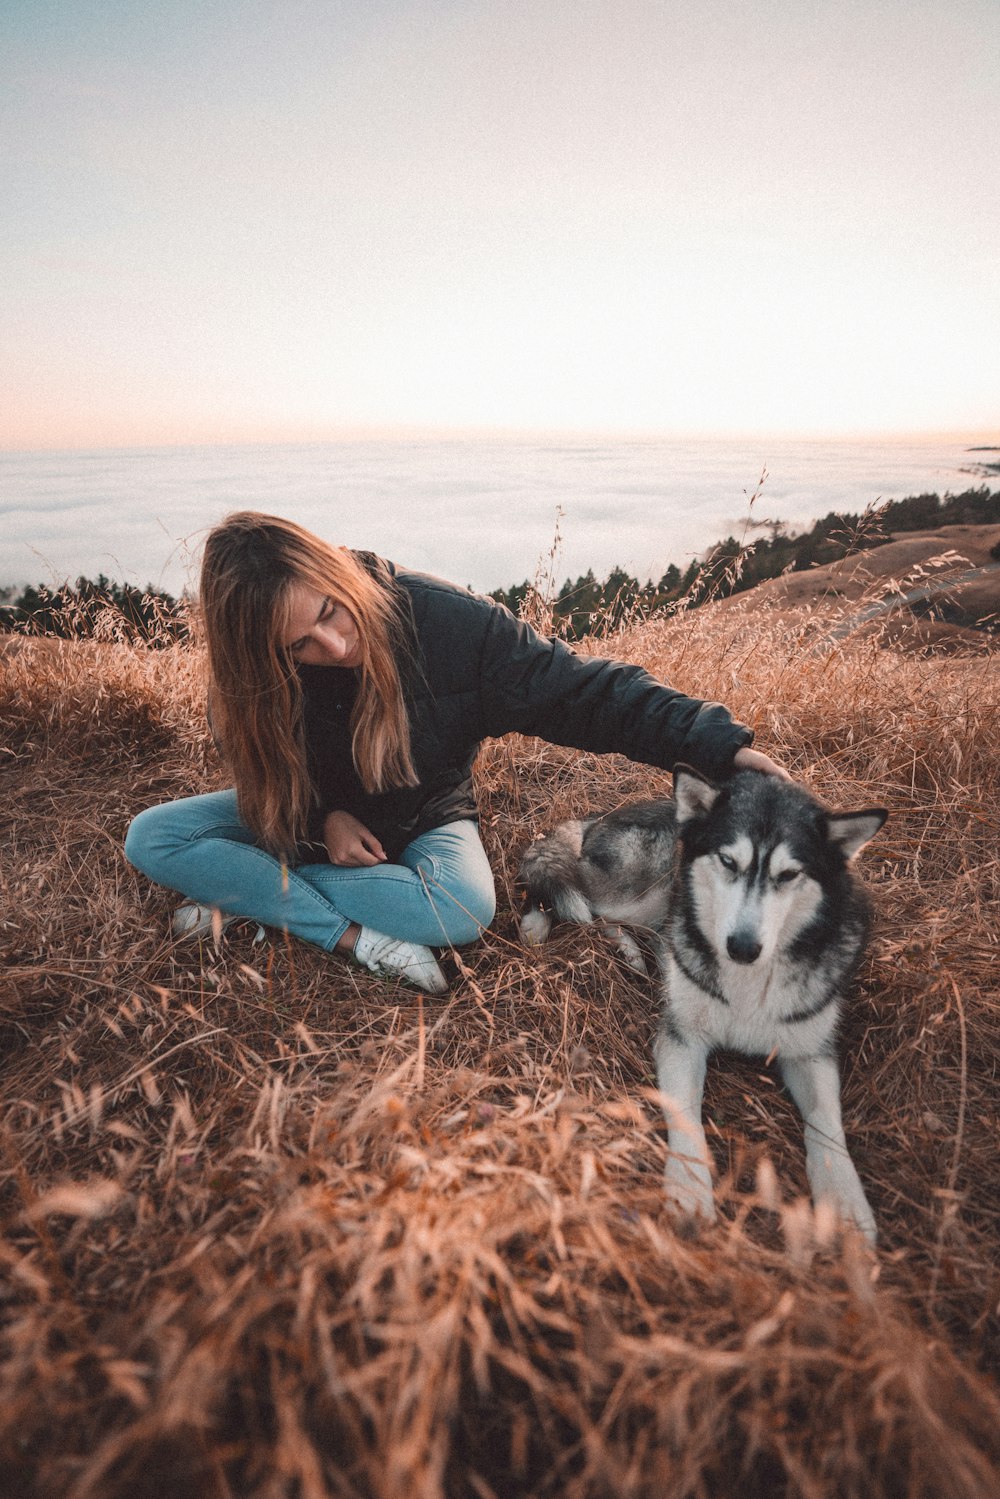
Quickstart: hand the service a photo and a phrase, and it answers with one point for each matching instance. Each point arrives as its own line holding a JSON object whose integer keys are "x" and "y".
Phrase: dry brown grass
{"x": 275, "y": 1231}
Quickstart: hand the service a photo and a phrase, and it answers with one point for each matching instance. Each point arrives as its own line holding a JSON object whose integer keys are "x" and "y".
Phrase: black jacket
{"x": 479, "y": 672}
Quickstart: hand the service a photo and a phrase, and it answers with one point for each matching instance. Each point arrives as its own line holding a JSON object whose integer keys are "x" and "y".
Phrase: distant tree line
{"x": 732, "y": 565}
{"x": 97, "y": 609}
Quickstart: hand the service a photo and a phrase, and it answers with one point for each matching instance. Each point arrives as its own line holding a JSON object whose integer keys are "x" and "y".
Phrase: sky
{"x": 268, "y": 220}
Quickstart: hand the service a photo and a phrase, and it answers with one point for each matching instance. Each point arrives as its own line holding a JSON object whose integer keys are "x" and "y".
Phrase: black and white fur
{"x": 758, "y": 922}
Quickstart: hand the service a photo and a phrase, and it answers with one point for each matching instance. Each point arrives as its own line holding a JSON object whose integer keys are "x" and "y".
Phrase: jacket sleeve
{"x": 532, "y": 685}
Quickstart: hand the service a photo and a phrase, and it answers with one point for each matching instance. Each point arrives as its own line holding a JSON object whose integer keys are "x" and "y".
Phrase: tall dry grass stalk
{"x": 272, "y": 1229}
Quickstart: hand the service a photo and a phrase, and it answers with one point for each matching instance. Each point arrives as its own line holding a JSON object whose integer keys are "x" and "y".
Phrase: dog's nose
{"x": 743, "y": 948}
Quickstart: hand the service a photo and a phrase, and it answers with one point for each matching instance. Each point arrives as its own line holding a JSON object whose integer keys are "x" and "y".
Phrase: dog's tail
{"x": 550, "y": 873}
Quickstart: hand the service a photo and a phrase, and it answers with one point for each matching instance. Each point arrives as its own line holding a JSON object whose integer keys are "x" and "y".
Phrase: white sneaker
{"x": 192, "y": 920}
{"x": 390, "y": 957}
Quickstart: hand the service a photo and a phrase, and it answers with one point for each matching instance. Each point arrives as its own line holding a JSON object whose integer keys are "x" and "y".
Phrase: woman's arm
{"x": 536, "y": 686}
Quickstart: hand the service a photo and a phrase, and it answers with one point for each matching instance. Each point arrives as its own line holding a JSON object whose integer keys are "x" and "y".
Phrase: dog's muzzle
{"x": 742, "y": 947}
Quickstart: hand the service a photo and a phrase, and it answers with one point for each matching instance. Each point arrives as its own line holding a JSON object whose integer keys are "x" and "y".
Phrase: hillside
{"x": 763, "y": 550}
{"x": 938, "y": 589}
{"x": 907, "y": 558}
{"x": 272, "y": 1229}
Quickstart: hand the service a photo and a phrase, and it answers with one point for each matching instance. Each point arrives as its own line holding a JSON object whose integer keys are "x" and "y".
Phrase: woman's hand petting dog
{"x": 751, "y": 759}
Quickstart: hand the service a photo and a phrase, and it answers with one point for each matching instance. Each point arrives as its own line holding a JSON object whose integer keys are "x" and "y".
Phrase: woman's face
{"x": 320, "y": 631}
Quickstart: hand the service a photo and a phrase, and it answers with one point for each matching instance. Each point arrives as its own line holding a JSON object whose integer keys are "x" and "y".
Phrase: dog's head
{"x": 763, "y": 855}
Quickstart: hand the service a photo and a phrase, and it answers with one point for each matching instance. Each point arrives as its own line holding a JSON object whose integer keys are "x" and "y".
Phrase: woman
{"x": 350, "y": 697}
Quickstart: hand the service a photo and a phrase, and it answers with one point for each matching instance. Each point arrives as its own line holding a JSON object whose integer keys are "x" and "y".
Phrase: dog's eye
{"x": 728, "y": 863}
{"x": 786, "y": 876}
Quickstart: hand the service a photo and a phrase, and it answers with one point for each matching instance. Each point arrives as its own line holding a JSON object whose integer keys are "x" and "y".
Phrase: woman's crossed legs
{"x": 440, "y": 894}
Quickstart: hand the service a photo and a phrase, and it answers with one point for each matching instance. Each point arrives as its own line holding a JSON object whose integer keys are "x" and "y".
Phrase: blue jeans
{"x": 441, "y": 893}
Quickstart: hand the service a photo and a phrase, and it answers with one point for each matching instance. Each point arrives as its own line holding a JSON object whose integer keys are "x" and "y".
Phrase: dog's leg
{"x": 626, "y": 945}
{"x": 680, "y": 1075}
{"x": 814, "y": 1083}
{"x": 535, "y": 926}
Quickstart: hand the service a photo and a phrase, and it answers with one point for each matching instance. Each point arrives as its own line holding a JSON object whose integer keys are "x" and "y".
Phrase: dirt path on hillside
{"x": 926, "y": 591}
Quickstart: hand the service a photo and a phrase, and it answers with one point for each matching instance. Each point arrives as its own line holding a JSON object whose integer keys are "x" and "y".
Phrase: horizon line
{"x": 439, "y": 434}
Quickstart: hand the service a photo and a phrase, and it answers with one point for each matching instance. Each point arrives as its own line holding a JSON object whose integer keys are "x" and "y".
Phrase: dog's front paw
{"x": 689, "y": 1189}
{"x": 535, "y": 927}
{"x": 834, "y": 1180}
{"x": 855, "y": 1212}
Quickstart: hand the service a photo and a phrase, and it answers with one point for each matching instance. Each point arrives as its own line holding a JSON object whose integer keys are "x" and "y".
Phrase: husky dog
{"x": 758, "y": 923}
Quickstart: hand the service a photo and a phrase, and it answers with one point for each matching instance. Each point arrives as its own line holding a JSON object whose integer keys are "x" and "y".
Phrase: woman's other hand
{"x": 349, "y": 843}
{"x": 751, "y": 759}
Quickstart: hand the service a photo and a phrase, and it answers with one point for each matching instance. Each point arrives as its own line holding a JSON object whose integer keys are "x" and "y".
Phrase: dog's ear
{"x": 693, "y": 795}
{"x": 852, "y": 830}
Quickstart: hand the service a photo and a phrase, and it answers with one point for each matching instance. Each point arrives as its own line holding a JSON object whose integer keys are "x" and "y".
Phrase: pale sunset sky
{"x": 237, "y": 220}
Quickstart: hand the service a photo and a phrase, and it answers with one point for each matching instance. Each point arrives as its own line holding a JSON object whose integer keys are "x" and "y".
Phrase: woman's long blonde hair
{"x": 250, "y": 564}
